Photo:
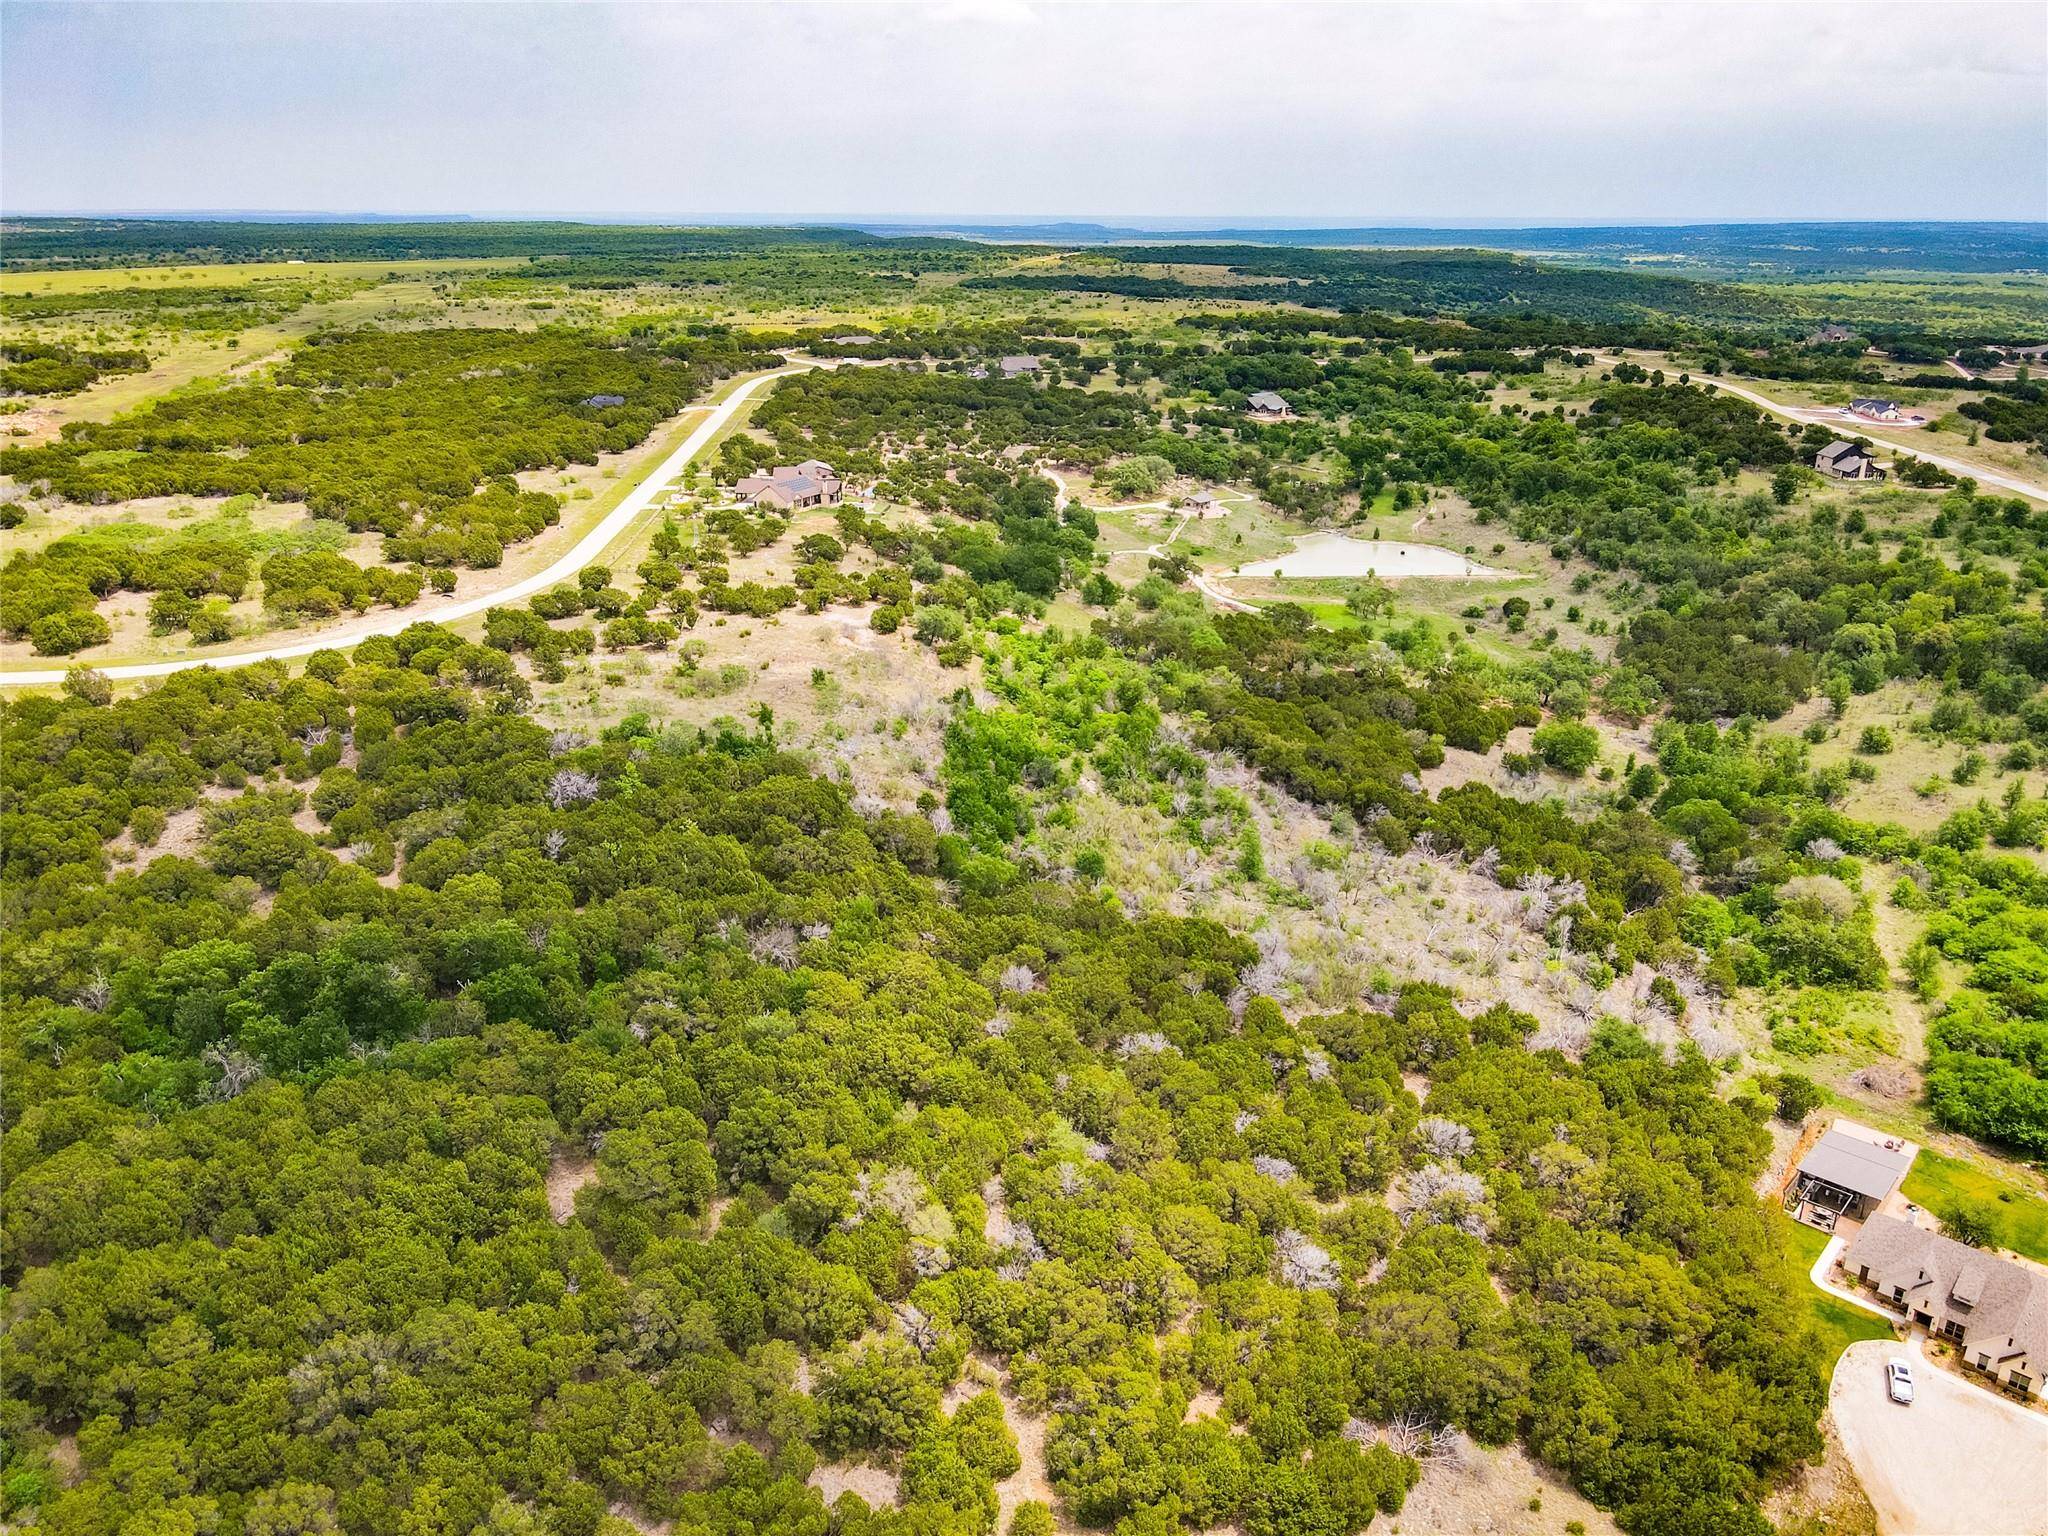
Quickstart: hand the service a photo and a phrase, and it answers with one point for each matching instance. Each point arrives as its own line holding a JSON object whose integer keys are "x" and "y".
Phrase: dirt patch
{"x": 181, "y": 837}
{"x": 64, "y": 1459}
{"x": 621, "y": 1510}
{"x": 1030, "y": 1481}
{"x": 1788, "y": 1145}
{"x": 874, "y": 1486}
{"x": 568, "y": 1173}
{"x": 1489, "y": 1491}
{"x": 995, "y": 1226}
{"x": 1205, "y": 1404}
{"x": 1826, "y": 1494}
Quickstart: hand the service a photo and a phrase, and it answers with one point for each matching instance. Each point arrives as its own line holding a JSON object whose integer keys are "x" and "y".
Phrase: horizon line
{"x": 1189, "y": 223}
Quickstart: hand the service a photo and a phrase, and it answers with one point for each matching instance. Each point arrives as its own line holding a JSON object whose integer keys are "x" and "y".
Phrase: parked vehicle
{"x": 1898, "y": 1380}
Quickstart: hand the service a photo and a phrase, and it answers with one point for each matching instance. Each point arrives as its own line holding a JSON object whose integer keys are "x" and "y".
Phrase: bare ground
{"x": 1205, "y": 1404}
{"x": 621, "y": 1510}
{"x": 1491, "y": 1492}
{"x": 1030, "y": 1480}
{"x": 1826, "y": 1493}
{"x": 569, "y": 1172}
{"x": 875, "y": 1486}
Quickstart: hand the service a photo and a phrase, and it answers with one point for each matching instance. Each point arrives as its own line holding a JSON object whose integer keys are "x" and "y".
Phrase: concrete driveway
{"x": 1959, "y": 1462}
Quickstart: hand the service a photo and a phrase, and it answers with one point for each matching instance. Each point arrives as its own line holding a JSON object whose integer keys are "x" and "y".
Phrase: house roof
{"x": 606, "y": 400}
{"x": 2002, "y": 1304}
{"x": 1203, "y": 498}
{"x": 1872, "y": 403}
{"x": 1839, "y": 450}
{"x": 1266, "y": 400}
{"x": 1020, "y": 364}
{"x": 795, "y": 485}
{"x": 1849, "y": 1162}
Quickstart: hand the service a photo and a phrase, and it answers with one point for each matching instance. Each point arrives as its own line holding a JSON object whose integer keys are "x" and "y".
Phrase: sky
{"x": 1001, "y": 109}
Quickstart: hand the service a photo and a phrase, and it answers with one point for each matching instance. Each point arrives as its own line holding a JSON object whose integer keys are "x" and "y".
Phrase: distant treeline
{"x": 1413, "y": 282}
{"x": 1784, "y": 249}
{"x": 138, "y": 242}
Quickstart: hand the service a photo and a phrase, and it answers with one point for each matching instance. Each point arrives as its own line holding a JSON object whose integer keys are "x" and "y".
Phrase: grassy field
{"x": 229, "y": 274}
{"x": 2020, "y": 1218}
{"x": 1838, "y": 1324}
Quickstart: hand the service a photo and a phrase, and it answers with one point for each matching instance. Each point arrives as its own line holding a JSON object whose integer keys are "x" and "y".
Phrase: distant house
{"x": 1846, "y": 1175}
{"x": 1876, "y": 410}
{"x": 1013, "y": 366}
{"x": 1847, "y": 461}
{"x": 1994, "y": 1310}
{"x": 604, "y": 400}
{"x": 1266, "y": 403}
{"x": 1202, "y": 503}
{"x": 787, "y": 487}
{"x": 1832, "y": 333}
{"x": 849, "y": 341}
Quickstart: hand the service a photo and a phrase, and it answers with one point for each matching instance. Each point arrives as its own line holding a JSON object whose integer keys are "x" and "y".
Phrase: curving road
{"x": 1823, "y": 416}
{"x": 585, "y": 550}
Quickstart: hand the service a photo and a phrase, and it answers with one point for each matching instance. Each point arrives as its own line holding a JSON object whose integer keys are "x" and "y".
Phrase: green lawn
{"x": 1838, "y": 1324}
{"x": 2019, "y": 1218}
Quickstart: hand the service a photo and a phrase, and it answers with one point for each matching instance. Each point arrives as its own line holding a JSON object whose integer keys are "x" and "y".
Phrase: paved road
{"x": 1960, "y": 1461}
{"x": 587, "y": 549}
{"x": 1806, "y": 414}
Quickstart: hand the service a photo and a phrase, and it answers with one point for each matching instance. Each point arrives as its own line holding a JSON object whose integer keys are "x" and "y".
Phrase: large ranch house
{"x": 1269, "y": 406}
{"x": 1993, "y": 1310}
{"x": 789, "y": 487}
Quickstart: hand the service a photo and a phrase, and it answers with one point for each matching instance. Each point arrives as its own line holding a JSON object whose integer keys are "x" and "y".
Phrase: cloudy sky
{"x": 1322, "y": 112}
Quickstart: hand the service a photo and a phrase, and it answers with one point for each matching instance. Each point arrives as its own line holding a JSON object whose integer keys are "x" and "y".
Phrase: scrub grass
{"x": 2019, "y": 1218}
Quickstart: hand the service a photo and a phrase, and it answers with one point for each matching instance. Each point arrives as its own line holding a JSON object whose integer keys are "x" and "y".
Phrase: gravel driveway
{"x": 1958, "y": 1462}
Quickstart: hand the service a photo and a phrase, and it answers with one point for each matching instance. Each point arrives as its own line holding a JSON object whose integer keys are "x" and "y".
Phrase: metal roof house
{"x": 1267, "y": 403}
{"x": 1012, "y": 366}
{"x": 1876, "y": 410}
{"x": 1847, "y": 461}
{"x": 1994, "y": 1310}
{"x": 1202, "y": 503}
{"x": 1846, "y": 1175}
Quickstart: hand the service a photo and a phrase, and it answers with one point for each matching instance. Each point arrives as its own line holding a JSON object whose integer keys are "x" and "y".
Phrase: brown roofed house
{"x": 812, "y": 483}
{"x": 1994, "y": 1310}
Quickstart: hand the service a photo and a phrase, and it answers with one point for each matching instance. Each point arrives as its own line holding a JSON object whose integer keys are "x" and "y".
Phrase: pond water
{"x": 1338, "y": 554}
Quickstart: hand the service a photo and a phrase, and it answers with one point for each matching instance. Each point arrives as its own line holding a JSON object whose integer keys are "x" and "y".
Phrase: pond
{"x": 1338, "y": 554}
